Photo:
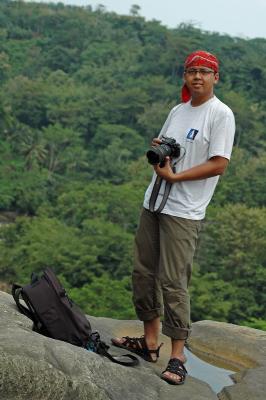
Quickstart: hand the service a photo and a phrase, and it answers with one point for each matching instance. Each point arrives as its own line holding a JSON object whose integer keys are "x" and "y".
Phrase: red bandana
{"x": 197, "y": 59}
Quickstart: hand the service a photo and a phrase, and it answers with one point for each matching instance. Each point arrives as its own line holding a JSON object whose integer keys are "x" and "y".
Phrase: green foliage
{"x": 118, "y": 204}
{"x": 21, "y": 188}
{"x": 64, "y": 150}
{"x": 114, "y": 146}
{"x": 210, "y": 296}
{"x": 78, "y": 254}
{"x": 105, "y": 297}
{"x": 32, "y": 244}
{"x": 112, "y": 245}
{"x": 232, "y": 246}
{"x": 244, "y": 181}
{"x": 27, "y": 101}
{"x": 256, "y": 323}
{"x": 83, "y": 92}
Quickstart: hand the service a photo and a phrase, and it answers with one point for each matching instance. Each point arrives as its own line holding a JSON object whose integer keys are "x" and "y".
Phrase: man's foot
{"x": 175, "y": 372}
{"x": 138, "y": 346}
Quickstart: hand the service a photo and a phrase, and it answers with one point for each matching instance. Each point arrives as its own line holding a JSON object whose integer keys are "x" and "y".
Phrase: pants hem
{"x": 175, "y": 332}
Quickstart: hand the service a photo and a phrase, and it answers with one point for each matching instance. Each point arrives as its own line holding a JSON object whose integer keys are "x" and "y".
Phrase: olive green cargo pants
{"x": 164, "y": 250}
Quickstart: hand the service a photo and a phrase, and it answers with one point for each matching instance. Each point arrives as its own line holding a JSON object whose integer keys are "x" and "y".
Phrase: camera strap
{"x": 155, "y": 192}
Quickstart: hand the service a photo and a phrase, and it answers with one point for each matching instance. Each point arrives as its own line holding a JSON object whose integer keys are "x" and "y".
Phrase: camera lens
{"x": 157, "y": 154}
{"x": 153, "y": 157}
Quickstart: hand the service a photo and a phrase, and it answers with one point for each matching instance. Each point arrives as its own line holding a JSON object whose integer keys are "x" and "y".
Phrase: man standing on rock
{"x": 166, "y": 240}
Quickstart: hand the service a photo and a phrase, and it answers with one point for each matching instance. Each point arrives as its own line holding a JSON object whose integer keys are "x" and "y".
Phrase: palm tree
{"x": 34, "y": 151}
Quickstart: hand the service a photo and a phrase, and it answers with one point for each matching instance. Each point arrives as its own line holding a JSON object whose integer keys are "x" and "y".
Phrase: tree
{"x": 105, "y": 297}
{"x": 243, "y": 181}
{"x": 27, "y": 100}
{"x": 114, "y": 146}
{"x": 31, "y": 244}
{"x": 60, "y": 143}
{"x": 4, "y": 66}
{"x": 211, "y": 297}
{"x": 33, "y": 149}
{"x": 232, "y": 246}
{"x": 113, "y": 246}
{"x": 134, "y": 10}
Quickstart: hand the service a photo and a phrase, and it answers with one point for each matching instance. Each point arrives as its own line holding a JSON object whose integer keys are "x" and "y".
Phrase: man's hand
{"x": 156, "y": 142}
{"x": 166, "y": 171}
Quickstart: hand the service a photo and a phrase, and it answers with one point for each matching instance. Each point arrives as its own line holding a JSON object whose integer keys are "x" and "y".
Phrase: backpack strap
{"x": 17, "y": 293}
{"x": 131, "y": 361}
{"x": 96, "y": 345}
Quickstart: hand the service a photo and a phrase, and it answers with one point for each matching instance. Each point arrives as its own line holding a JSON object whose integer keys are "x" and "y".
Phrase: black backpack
{"x": 55, "y": 315}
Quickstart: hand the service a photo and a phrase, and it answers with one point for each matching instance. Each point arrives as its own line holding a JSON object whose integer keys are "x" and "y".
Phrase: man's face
{"x": 200, "y": 80}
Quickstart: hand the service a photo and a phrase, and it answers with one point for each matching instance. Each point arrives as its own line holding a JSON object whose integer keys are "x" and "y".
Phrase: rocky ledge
{"x": 241, "y": 348}
{"x": 33, "y": 367}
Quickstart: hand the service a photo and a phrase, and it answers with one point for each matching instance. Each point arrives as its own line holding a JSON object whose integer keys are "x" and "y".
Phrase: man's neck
{"x": 198, "y": 101}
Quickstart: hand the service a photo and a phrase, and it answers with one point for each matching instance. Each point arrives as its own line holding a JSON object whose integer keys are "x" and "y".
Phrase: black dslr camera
{"x": 168, "y": 147}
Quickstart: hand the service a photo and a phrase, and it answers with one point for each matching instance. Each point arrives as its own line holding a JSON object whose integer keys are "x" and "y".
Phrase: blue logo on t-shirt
{"x": 192, "y": 134}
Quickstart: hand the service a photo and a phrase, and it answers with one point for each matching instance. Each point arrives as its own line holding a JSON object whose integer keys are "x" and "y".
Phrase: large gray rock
{"x": 33, "y": 367}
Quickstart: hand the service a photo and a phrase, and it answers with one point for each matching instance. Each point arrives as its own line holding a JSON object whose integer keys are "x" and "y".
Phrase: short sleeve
{"x": 167, "y": 122}
{"x": 222, "y": 135}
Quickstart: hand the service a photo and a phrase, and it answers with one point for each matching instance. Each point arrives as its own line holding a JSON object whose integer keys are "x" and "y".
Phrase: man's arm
{"x": 213, "y": 167}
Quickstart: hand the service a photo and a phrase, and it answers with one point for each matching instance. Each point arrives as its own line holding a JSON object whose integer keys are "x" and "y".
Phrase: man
{"x": 166, "y": 241}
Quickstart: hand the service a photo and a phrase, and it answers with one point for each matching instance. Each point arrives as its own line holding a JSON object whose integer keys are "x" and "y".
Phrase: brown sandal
{"x": 138, "y": 346}
{"x": 176, "y": 367}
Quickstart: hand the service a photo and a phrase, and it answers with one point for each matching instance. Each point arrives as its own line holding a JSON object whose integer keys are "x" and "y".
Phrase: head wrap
{"x": 198, "y": 58}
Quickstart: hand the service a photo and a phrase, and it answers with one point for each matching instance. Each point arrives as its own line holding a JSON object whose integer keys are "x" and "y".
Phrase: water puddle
{"x": 216, "y": 377}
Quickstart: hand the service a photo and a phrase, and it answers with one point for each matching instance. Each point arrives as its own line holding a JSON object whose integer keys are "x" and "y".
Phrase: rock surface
{"x": 240, "y": 347}
{"x": 33, "y": 367}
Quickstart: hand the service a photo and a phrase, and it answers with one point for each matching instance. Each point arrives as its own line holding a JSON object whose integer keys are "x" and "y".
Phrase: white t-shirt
{"x": 204, "y": 131}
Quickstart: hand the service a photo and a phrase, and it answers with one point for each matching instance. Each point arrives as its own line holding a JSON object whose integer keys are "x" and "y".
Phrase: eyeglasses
{"x": 201, "y": 71}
